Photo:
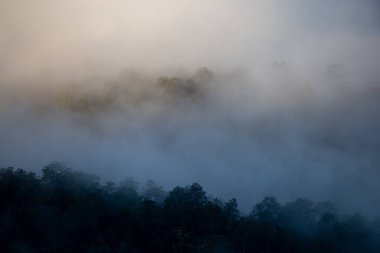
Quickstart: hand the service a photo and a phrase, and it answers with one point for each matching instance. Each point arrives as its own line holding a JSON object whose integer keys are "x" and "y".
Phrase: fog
{"x": 247, "y": 98}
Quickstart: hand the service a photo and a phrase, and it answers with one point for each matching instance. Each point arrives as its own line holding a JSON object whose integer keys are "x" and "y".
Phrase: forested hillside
{"x": 63, "y": 210}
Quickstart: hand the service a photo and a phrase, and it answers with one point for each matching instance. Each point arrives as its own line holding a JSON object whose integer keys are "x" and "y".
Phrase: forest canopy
{"x": 64, "y": 210}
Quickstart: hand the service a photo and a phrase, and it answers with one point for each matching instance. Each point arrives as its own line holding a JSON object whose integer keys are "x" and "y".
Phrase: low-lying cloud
{"x": 248, "y": 98}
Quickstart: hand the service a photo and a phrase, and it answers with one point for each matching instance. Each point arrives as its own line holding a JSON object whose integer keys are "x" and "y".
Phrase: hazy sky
{"x": 292, "y": 109}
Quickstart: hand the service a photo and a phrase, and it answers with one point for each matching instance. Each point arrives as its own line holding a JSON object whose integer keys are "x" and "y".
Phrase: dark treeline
{"x": 68, "y": 211}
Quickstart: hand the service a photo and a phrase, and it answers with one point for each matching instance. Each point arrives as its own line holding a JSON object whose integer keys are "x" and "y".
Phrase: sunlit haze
{"x": 249, "y": 98}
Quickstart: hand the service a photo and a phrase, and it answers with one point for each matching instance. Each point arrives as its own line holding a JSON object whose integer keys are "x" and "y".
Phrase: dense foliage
{"x": 68, "y": 211}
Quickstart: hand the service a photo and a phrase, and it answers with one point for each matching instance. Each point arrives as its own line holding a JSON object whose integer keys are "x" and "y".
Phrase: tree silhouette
{"x": 64, "y": 210}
